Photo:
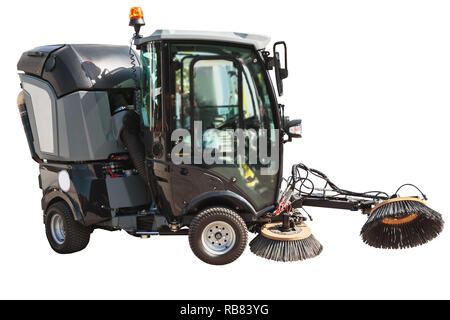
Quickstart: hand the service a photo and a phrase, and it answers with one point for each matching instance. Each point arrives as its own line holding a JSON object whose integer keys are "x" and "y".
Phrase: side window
{"x": 182, "y": 93}
{"x": 151, "y": 87}
{"x": 215, "y": 88}
{"x": 250, "y": 102}
{"x": 216, "y": 93}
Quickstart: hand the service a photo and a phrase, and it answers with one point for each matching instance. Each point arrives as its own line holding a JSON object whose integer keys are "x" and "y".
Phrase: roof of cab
{"x": 258, "y": 41}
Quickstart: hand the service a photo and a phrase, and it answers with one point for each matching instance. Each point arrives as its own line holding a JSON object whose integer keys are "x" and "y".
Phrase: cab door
{"x": 224, "y": 106}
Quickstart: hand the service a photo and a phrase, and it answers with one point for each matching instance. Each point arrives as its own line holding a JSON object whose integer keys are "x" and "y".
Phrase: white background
{"x": 370, "y": 79}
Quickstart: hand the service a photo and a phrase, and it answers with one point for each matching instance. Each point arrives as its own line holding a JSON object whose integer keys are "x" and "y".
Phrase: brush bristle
{"x": 285, "y": 250}
{"x": 401, "y": 224}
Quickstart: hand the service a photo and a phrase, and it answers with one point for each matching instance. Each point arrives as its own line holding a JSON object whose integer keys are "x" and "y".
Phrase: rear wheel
{"x": 218, "y": 235}
{"x": 64, "y": 234}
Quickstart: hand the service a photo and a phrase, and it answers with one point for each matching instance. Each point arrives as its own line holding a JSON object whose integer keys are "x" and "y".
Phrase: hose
{"x": 130, "y": 138}
{"x": 134, "y": 62}
{"x": 296, "y": 177}
{"x": 26, "y": 125}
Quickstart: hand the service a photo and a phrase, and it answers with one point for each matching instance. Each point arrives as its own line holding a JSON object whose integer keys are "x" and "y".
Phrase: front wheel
{"x": 218, "y": 235}
{"x": 64, "y": 234}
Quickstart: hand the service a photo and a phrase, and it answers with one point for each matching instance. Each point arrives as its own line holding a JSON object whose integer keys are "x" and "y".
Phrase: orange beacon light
{"x": 137, "y": 19}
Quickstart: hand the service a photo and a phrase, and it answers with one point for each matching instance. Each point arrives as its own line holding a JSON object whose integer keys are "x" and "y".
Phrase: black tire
{"x": 76, "y": 236}
{"x": 218, "y": 215}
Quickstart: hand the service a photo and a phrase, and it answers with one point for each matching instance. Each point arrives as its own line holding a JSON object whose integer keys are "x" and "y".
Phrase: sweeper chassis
{"x": 100, "y": 121}
{"x": 86, "y": 201}
{"x": 90, "y": 189}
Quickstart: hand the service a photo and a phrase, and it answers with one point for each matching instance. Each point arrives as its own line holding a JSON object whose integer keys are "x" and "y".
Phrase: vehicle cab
{"x": 211, "y": 120}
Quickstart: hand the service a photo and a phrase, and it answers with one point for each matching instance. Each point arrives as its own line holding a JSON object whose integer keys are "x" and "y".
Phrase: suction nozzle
{"x": 399, "y": 223}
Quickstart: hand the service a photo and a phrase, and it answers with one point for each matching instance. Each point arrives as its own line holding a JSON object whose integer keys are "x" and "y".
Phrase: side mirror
{"x": 280, "y": 73}
{"x": 293, "y": 129}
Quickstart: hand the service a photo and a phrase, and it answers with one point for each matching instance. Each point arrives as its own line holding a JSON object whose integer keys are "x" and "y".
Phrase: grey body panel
{"x": 117, "y": 124}
{"x": 85, "y": 127}
{"x": 126, "y": 192}
{"x": 76, "y": 127}
{"x": 258, "y": 41}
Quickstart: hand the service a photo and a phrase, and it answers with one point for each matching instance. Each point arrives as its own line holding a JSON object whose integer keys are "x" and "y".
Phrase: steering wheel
{"x": 252, "y": 123}
{"x": 230, "y": 123}
{"x": 249, "y": 123}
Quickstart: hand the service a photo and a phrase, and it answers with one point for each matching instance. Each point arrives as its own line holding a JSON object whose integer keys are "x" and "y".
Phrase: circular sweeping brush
{"x": 276, "y": 243}
{"x": 399, "y": 223}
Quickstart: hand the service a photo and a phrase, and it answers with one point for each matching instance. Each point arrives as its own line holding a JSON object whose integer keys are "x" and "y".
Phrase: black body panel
{"x": 74, "y": 67}
{"x": 92, "y": 196}
{"x": 33, "y": 61}
{"x": 87, "y": 193}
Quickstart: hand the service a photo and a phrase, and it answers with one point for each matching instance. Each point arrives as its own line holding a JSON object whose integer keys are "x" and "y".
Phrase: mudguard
{"x": 52, "y": 194}
{"x": 222, "y": 198}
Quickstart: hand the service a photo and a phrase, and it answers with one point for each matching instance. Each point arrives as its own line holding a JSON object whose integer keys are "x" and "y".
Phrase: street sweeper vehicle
{"x": 185, "y": 138}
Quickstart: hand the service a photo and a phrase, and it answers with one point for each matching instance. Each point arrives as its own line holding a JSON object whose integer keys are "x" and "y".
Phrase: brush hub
{"x": 294, "y": 245}
{"x": 275, "y": 231}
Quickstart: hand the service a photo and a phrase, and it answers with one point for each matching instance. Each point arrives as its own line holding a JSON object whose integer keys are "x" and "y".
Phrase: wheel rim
{"x": 218, "y": 237}
{"x": 57, "y": 229}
